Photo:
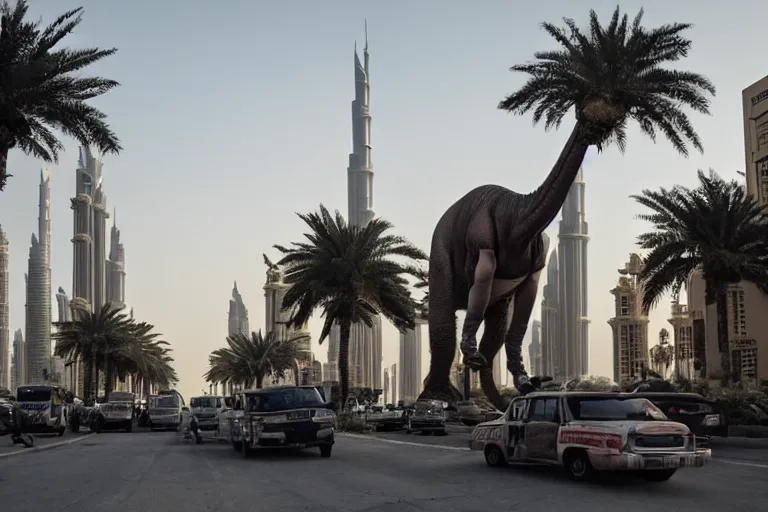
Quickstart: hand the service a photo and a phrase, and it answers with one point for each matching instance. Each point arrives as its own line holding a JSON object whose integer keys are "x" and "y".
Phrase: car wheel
{"x": 325, "y": 450}
{"x": 657, "y": 475}
{"x": 246, "y": 449}
{"x": 74, "y": 426}
{"x": 129, "y": 427}
{"x": 61, "y": 431}
{"x": 578, "y": 466}
{"x": 494, "y": 457}
{"x": 237, "y": 445}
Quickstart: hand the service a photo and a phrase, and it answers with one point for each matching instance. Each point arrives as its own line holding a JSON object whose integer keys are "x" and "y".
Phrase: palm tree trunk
{"x": 3, "y": 165}
{"x": 259, "y": 380}
{"x": 722, "y": 334}
{"x": 344, "y": 360}
{"x": 86, "y": 366}
{"x": 295, "y": 372}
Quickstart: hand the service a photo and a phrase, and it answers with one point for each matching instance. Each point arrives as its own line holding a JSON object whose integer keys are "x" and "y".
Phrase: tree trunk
{"x": 109, "y": 379}
{"x": 344, "y": 360}
{"x": 722, "y": 334}
{"x": 296, "y": 373}
{"x": 3, "y": 166}
{"x": 86, "y": 365}
{"x": 259, "y": 380}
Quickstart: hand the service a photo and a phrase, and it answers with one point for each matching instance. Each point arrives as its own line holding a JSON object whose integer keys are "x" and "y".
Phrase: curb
{"x": 406, "y": 443}
{"x": 44, "y": 447}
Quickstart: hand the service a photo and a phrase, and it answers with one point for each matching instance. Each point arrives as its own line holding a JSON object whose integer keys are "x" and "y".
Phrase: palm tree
{"x": 608, "y": 75}
{"x": 715, "y": 228}
{"x": 88, "y": 338}
{"x": 40, "y": 88}
{"x": 348, "y": 273}
{"x": 248, "y": 360}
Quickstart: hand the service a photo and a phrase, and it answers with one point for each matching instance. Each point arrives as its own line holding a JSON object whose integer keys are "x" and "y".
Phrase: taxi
{"x": 589, "y": 432}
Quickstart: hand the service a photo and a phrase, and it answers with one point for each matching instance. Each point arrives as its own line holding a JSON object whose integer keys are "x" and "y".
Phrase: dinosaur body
{"x": 485, "y": 219}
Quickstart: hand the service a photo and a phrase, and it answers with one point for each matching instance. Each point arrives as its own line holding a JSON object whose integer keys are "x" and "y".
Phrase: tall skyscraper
{"x": 89, "y": 207}
{"x": 38, "y": 348}
{"x": 534, "y": 349}
{"x": 365, "y": 350}
{"x": 237, "y": 319}
{"x": 89, "y": 240}
{"x": 572, "y": 254}
{"x": 410, "y": 363}
{"x": 5, "y": 352}
{"x": 17, "y": 360}
{"x": 115, "y": 278}
{"x": 629, "y": 324}
{"x": 550, "y": 321}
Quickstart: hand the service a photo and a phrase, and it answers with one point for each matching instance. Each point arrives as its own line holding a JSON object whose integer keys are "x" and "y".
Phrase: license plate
{"x": 298, "y": 415}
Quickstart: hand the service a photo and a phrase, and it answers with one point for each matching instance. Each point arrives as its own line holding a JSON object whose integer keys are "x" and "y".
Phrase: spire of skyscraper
{"x": 365, "y": 351}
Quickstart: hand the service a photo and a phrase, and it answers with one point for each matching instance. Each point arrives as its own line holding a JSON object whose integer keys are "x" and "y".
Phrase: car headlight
{"x": 711, "y": 420}
{"x": 324, "y": 416}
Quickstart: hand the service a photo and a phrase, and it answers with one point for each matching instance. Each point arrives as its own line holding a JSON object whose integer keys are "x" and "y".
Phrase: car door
{"x": 541, "y": 428}
{"x": 515, "y": 429}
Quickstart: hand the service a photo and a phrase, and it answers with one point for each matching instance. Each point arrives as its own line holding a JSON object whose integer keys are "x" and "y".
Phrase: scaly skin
{"x": 484, "y": 219}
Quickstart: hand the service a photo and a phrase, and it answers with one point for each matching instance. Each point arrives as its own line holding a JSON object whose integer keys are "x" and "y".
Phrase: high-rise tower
{"x": 237, "y": 320}
{"x": 89, "y": 240}
{"x": 534, "y": 349}
{"x": 365, "y": 350}
{"x": 550, "y": 321}
{"x": 115, "y": 278}
{"x": 410, "y": 363}
{"x": 17, "y": 360}
{"x": 572, "y": 254}
{"x": 38, "y": 350}
{"x": 5, "y": 355}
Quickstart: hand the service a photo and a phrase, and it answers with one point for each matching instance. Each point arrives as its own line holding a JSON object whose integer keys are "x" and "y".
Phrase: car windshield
{"x": 34, "y": 394}
{"x": 283, "y": 399}
{"x": 614, "y": 409}
{"x": 203, "y": 401}
{"x": 162, "y": 402}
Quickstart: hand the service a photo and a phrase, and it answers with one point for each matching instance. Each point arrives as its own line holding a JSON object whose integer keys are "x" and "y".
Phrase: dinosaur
{"x": 487, "y": 253}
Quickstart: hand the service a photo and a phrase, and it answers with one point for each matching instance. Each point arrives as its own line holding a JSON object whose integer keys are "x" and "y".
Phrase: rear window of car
{"x": 283, "y": 400}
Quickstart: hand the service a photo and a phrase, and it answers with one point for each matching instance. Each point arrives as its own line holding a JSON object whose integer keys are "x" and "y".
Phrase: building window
{"x": 737, "y": 312}
{"x": 624, "y": 311}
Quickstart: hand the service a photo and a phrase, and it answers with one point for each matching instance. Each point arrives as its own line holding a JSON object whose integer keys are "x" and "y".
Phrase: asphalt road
{"x": 151, "y": 472}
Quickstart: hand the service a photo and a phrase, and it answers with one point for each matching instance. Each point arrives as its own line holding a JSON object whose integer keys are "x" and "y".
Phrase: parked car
{"x": 117, "y": 412}
{"x": 427, "y": 417}
{"x": 587, "y": 433}
{"x": 702, "y": 415}
{"x": 282, "y": 417}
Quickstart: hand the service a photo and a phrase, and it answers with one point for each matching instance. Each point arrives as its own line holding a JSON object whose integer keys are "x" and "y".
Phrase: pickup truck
{"x": 118, "y": 411}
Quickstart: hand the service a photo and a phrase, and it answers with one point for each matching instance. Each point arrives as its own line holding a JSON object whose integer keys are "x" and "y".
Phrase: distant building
{"x": 534, "y": 349}
{"x": 682, "y": 335}
{"x": 5, "y": 349}
{"x": 410, "y": 363}
{"x": 629, "y": 324}
{"x": 237, "y": 319}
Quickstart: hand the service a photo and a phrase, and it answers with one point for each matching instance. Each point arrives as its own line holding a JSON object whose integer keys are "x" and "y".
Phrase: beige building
{"x": 682, "y": 335}
{"x": 629, "y": 325}
{"x": 747, "y": 322}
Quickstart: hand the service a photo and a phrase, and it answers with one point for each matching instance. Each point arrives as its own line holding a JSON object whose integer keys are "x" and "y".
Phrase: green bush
{"x": 352, "y": 422}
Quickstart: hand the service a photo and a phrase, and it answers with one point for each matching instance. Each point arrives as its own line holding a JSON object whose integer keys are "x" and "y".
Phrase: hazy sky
{"x": 234, "y": 115}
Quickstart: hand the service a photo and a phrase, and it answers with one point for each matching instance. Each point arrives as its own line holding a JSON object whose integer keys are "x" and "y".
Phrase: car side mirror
{"x": 330, "y": 405}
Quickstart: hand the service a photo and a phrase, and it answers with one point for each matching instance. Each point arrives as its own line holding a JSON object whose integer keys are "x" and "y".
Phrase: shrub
{"x": 351, "y": 422}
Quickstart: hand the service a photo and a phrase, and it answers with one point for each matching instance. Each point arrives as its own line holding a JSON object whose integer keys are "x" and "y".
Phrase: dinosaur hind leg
{"x": 496, "y": 322}
{"x": 442, "y": 330}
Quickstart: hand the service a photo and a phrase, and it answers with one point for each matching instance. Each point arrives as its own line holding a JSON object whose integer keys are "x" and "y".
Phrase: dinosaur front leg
{"x": 523, "y": 302}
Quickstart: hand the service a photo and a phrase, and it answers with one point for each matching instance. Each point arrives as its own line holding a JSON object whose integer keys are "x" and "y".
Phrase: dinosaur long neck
{"x": 548, "y": 198}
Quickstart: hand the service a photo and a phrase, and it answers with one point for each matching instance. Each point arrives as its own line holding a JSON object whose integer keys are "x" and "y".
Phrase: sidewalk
{"x": 42, "y": 442}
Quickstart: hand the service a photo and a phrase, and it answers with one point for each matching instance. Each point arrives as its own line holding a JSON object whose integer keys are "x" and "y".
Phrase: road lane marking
{"x": 44, "y": 447}
{"x": 740, "y": 463}
{"x": 407, "y": 443}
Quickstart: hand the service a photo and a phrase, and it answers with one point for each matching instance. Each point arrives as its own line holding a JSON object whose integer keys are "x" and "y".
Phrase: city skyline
{"x": 432, "y": 145}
